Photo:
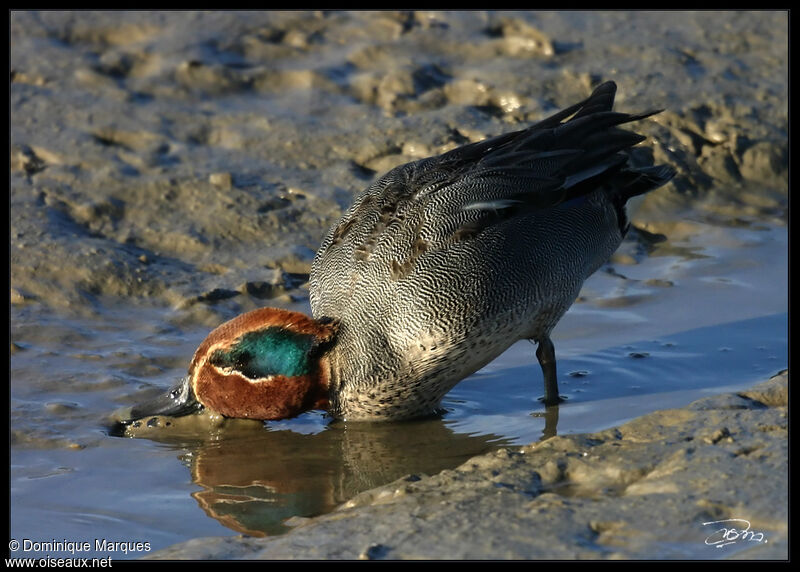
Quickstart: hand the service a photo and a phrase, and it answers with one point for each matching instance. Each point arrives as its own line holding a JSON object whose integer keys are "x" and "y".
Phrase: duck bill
{"x": 178, "y": 401}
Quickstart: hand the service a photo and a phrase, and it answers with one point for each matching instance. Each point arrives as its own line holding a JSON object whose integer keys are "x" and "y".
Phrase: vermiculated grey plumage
{"x": 443, "y": 263}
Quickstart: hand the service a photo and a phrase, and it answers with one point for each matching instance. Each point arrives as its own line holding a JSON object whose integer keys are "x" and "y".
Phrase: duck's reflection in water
{"x": 254, "y": 476}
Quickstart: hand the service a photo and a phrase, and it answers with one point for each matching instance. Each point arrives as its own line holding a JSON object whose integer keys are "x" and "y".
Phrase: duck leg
{"x": 546, "y": 354}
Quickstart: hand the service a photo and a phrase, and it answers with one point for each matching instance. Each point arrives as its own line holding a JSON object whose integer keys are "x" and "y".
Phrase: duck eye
{"x": 241, "y": 361}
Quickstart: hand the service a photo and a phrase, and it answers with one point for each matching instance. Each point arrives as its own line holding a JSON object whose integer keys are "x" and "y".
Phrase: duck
{"x": 437, "y": 268}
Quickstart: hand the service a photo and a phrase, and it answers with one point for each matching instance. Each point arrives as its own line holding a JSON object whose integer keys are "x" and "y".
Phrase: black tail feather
{"x": 631, "y": 182}
{"x": 645, "y": 180}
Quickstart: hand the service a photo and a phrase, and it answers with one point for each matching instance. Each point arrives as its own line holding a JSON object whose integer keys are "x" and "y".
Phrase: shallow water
{"x": 172, "y": 170}
{"x": 70, "y": 480}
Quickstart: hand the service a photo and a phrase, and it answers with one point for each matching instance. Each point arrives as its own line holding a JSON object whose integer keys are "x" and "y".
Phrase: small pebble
{"x": 373, "y": 552}
{"x": 221, "y": 180}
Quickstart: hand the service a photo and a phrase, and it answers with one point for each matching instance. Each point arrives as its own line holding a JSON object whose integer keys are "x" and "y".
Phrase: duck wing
{"x": 437, "y": 202}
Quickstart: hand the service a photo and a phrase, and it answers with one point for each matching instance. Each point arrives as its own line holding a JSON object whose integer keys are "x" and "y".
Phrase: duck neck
{"x": 321, "y": 395}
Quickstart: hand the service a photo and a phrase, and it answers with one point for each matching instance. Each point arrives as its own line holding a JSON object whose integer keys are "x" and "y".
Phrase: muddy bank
{"x": 194, "y": 160}
{"x": 641, "y": 490}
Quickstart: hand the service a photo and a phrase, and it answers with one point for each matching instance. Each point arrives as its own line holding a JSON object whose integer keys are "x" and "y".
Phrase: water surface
{"x": 70, "y": 479}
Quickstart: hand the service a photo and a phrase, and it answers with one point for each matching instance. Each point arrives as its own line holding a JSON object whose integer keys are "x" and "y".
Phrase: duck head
{"x": 266, "y": 364}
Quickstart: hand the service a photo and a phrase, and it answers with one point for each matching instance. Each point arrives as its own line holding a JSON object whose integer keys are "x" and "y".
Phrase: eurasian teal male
{"x": 436, "y": 269}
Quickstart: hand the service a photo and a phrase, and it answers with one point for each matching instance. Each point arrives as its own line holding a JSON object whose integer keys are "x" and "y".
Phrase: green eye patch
{"x": 271, "y": 351}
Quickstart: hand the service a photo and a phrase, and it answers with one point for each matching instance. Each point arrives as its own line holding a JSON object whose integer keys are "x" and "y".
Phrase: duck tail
{"x": 643, "y": 180}
{"x": 632, "y": 182}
